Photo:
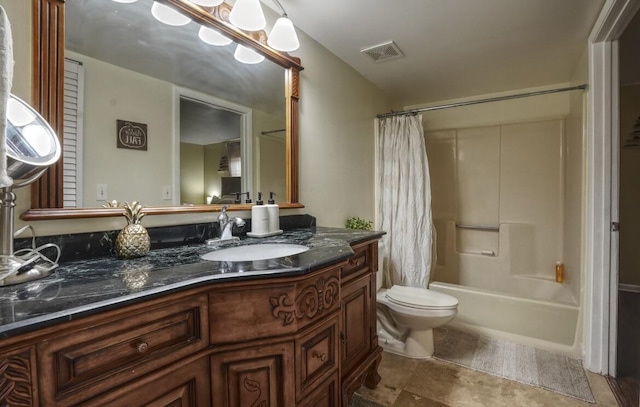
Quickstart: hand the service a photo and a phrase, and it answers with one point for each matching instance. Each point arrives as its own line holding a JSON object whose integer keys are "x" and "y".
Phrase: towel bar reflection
{"x": 478, "y": 227}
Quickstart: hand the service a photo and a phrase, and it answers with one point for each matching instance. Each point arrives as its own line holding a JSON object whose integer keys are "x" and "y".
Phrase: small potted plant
{"x": 358, "y": 223}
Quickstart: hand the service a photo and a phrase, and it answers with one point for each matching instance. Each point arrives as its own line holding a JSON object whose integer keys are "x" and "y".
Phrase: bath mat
{"x": 513, "y": 361}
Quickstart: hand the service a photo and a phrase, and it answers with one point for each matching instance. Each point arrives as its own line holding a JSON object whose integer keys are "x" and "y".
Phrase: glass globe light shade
{"x": 283, "y": 36}
{"x": 248, "y": 15}
{"x": 213, "y": 37}
{"x": 247, "y": 55}
{"x": 168, "y": 15}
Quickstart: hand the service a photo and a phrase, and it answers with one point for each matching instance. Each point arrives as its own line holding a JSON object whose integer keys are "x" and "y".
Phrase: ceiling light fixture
{"x": 168, "y": 15}
{"x": 247, "y": 55}
{"x": 125, "y": 1}
{"x": 247, "y": 15}
{"x": 283, "y": 35}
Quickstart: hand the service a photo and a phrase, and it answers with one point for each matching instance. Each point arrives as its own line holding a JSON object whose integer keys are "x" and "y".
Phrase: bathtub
{"x": 543, "y": 324}
{"x": 506, "y": 287}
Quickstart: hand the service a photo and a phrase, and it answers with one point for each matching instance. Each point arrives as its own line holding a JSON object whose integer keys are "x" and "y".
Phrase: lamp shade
{"x": 213, "y": 37}
{"x": 206, "y": 3}
{"x": 248, "y": 15}
{"x": 168, "y": 15}
{"x": 31, "y": 143}
{"x": 283, "y": 36}
{"x": 247, "y": 55}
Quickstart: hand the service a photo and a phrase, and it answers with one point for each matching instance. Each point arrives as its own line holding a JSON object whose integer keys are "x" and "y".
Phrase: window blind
{"x": 72, "y": 134}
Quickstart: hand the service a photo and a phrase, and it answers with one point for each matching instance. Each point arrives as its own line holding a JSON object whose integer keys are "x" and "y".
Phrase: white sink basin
{"x": 263, "y": 251}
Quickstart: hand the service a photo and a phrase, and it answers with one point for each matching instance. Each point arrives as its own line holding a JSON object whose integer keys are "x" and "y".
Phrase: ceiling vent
{"x": 383, "y": 52}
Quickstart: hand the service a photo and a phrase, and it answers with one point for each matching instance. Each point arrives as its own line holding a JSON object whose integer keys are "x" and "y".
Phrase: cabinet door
{"x": 326, "y": 395}
{"x": 260, "y": 375}
{"x": 187, "y": 386}
{"x": 356, "y": 322}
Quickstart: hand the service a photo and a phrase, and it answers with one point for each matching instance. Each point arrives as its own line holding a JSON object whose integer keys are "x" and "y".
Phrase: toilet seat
{"x": 420, "y": 298}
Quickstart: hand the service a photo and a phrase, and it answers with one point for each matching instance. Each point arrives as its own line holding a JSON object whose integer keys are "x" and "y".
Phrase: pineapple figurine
{"x": 132, "y": 241}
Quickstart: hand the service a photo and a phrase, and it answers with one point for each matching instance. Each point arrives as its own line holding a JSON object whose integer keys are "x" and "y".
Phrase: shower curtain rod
{"x": 475, "y": 102}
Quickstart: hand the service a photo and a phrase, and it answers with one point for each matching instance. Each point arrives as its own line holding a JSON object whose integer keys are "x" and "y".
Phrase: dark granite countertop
{"x": 85, "y": 287}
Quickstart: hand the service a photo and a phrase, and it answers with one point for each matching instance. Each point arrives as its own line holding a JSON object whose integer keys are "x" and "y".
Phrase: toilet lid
{"x": 420, "y": 298}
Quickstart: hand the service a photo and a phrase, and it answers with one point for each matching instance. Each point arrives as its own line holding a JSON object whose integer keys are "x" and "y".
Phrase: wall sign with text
{"x": 132, "y": 135}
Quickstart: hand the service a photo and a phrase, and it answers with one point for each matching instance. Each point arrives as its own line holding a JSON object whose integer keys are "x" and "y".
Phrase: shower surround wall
{"x": 514, "y": 166}
{"x": 508, "y": 180}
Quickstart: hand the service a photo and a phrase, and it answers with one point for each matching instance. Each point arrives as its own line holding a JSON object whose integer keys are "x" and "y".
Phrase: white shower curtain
{"x": 404, "y": 205}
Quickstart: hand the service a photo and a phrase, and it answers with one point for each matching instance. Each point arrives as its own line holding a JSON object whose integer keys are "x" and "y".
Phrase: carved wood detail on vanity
{"x": 300, "y": 340}
{"x": 15, "y": 379}
{"x": 310, "y": 303}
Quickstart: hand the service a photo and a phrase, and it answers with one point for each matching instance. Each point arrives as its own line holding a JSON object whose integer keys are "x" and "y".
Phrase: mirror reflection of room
{"x": 122, "y": 64}
{"x": 210, "y": 154}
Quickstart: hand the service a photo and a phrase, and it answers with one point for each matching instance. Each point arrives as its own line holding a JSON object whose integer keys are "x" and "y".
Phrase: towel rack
{"x": 478, "y": 227}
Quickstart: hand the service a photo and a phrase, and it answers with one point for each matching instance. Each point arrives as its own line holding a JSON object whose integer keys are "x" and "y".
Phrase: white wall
{"x": 269, "y": 156}
{"x": 338, "y": 107}
{"x": 337, "y": 144}
{"x": 192, "y": 173}
{"x": 121, "y": 94}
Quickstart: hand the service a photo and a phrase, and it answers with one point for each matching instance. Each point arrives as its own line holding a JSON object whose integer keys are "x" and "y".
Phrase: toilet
{"x": 406, "y": 318}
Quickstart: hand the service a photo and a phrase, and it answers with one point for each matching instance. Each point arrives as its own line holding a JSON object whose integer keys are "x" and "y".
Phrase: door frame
{"x": 600, "y": 294}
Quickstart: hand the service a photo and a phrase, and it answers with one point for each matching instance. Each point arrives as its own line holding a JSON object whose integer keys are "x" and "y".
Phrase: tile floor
{"x": 433, "y": 383}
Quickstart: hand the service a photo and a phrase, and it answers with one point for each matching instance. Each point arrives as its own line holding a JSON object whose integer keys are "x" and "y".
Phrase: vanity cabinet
{"x": 303, "y": 340}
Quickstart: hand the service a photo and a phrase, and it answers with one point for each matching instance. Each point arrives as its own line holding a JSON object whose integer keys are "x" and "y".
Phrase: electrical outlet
{"x": 101, "y": 194}
{"x": 166, "y": 192}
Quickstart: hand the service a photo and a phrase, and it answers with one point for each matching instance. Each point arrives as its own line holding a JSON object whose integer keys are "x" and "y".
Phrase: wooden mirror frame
{"x": 47, "y": 98}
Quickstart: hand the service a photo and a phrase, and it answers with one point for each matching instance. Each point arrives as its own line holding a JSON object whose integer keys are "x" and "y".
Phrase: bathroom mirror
{"x": 49, "y": 17}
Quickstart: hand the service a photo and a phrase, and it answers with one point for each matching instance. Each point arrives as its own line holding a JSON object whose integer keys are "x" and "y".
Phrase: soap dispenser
{"x": 259, "y": 219}
{"x": 274, "y": 215}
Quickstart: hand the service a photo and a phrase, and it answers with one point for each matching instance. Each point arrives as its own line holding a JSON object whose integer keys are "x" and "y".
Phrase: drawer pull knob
{"x": 322, "y": 356}
{"x": 142, "y": 347}
{"x": 353, "y": 262}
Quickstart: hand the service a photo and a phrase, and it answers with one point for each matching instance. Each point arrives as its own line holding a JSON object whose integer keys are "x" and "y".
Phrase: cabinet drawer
{"x": 86, "y": 362}
{"x": 358, "y": 263}
{"x": 183, "y": 386}
{"x": 241, "y": 313}
{"x": 316, "y": 356}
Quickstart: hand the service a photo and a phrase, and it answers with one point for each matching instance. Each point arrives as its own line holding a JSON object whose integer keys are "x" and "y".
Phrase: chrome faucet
{"x": 226, "y": 224}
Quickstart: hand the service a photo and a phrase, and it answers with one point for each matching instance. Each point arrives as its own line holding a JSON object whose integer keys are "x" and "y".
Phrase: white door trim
{"x": 246, "y": 136}
{"x": 600, "y": 289}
